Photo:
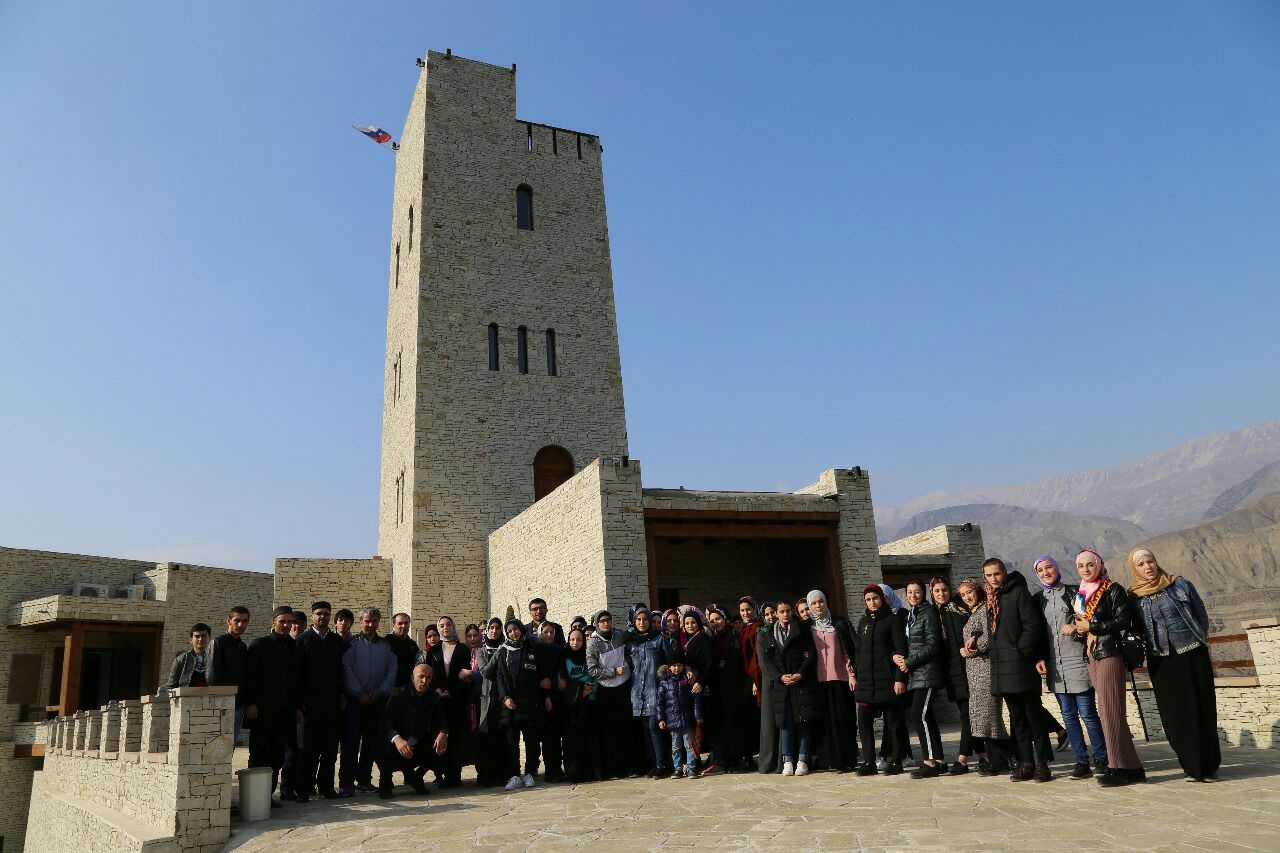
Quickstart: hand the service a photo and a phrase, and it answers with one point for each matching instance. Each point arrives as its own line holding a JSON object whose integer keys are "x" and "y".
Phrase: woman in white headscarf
{"x": 837, "y": 736}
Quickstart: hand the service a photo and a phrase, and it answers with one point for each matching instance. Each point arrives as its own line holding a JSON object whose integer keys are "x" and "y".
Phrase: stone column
{"x": 850, "y": 488}
{"x": 201, "y": 727}
{"x": 155, "y": 724}
{"x": 1264, "y": 643}
{"x": 81, "y": 729}
{"x": 93, "y": 738}
{"x": 131, "y": 726}
{"x": 111, "y": 729}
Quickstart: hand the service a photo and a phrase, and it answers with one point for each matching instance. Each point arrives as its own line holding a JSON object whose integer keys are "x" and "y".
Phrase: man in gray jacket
{"x": 368, "y": 674}
{"x": 190, "y": 669}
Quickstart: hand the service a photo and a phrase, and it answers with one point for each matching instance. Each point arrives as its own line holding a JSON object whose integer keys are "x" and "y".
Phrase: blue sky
{"x": 954, "y": 243}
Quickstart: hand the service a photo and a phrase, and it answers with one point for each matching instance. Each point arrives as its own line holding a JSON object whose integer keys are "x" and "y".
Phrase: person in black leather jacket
{"x": 1103, "y": 614}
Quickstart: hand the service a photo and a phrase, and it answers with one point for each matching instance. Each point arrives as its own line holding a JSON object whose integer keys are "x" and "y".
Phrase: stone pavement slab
{"x": 821, "y": 811}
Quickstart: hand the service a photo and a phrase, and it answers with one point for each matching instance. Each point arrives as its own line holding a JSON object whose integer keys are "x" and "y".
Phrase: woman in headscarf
{"x": 789, "y": 660}
{"x": 894, "y": 605}
{"x": 953, "y": 614}
{"x": 724, "y": 711}
{"x": 448, "y": 660}
{"x": 491, "y": 762}
{"x": 879, "y": 683}
{"x": 614, "y": 703}
{"x": 837, "y": 737}
{"x": 1103, "y": 613}
{"x": 525, "y": 675}
{"x": 748, "y": 634}
{"x": 986, "y": 712}
{"x": 768, "y": 758}
{"x": 925, "y": 664}
{"x": 581, "y": 694}
{"x": 645, "y": 653}
{"x": 1175, "y": 628}
{"x": 1067, "y": 665}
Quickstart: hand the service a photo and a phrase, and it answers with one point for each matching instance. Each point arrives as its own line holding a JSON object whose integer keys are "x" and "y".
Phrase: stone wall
{"x": 859, "y": 554}
{"x": 465, "y": 436}
{"x": 205, "y": 594}
{"x": 343, "y": 583}
{"x": 153, "y": 774}
{"x": 573, "y": 548}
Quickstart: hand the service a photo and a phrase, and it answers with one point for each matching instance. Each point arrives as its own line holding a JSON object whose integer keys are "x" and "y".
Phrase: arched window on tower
{"x": 493, "y": 346}
{"x": 552, "y": 465}
{"x": 524, "y": 207}
{"x": 522, "y": 349}
{"x": 553, "y": 369}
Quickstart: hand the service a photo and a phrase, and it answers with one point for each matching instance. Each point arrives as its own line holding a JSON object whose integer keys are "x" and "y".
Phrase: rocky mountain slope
{"x": 1020, "y": 535}
{"x": 1161, "y": 492}
{"x": 1266, "y": 481}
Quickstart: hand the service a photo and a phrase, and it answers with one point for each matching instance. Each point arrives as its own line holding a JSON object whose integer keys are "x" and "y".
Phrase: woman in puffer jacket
{"x": 924, "y": 662}
{"x": 878, "y": 682}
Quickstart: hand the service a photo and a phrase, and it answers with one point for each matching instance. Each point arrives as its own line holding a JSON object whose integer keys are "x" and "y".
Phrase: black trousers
{"x": 268, "y": 738}
{"x": 552, "y": 736}
{"x": 1030, "y": 734}
{"x": 389, "y": 761}
{"x": 925, "y": 718}
{"x": 892, "y": 712}
{"x": 1183, "y": 684}
{"x": 319, "y": 751}
{"x": 967, "y": 739}
{"x": 532, "y": 735}
{"x": 582, "y": 744}
{"x": 899, "y": 729}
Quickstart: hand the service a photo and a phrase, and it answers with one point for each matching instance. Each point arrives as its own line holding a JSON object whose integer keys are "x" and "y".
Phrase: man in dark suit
{"x": 273, "y": 695}
{"x": 414, "y": 733}
{"x": 320, "y": 657}
{"x": 538, "y": 615}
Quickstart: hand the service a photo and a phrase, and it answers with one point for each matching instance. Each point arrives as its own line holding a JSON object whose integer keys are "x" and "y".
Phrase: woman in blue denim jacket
{"x": 1175, "y": 626}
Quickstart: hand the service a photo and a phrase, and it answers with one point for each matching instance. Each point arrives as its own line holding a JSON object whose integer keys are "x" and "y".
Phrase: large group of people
{"x": 783, "y": 686}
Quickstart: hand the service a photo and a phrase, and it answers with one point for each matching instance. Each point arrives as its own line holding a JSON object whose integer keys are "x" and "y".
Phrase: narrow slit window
{"x": 579, "y": 146}
{"x": 528, "y": 137}
{"x": 524, "y": 207}
{"x": 522, "y": 349}
{"x": 555, "y": 147}
{"x": 410, "y": 228}
{"x": 493, "y": 346}
{"x": 552, "y": 368}
{"x": 397, "y": 278}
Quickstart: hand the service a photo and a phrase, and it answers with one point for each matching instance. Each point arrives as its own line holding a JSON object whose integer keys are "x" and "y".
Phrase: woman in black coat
{"x": 1017, "y": 649}
{"x": 955, "y": 613}
{"x": 448, "y": 660}
{"x": 790, "y": 662}
{"x": 879, "y": 683}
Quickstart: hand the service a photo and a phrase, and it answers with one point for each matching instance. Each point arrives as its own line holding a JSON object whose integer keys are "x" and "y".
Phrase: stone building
{"x": 505, "y": 467}
{"x": 84, "y": 631}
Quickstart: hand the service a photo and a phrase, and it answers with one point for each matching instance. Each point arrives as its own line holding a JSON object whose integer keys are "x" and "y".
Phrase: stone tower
{"x": 502, "y": 336}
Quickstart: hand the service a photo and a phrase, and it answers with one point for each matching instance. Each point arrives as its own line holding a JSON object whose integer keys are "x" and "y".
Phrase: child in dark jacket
{"x": 679, "y": 712}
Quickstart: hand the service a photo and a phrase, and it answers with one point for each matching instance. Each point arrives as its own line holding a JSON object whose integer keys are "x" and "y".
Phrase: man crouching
{"x": 414, "y": 733}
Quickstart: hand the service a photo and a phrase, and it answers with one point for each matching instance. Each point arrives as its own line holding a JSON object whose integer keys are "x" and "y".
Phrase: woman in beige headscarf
{"x": 1173, "y": 621}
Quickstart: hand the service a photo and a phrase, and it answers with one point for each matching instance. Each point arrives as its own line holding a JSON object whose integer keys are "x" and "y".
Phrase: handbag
{"x": 1133, "y": 648}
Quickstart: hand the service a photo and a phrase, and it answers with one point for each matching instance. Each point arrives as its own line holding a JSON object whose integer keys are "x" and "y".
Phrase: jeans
{"x": 682, "y": 742}
{"x": 792, "y": 730}
{"x": 655, "y": 736}
{"x": 359, "y": 741}
{"x": 239, "y": 715}
{"x": 1075, "y": 708}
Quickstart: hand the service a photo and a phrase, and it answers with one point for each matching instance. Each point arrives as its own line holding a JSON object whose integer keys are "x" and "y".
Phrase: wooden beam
{"x": 737, "y": 515}
{"x": 29, "y": 750}
{"x": 72, "y": 657}
{"x": 720, "y": 530}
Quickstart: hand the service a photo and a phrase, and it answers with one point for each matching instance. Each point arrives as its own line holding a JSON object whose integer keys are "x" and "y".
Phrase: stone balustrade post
{"x": 53, "y": 743}
{"x": 81, "y": 729}
{"x": 1264, "y": 644}
{"x": 93, "y": 732}
{"x": 201, "y": 725}
{"x": 111, "y": 729}
{"x": 155, "y": 724}
{"x": 131, "y": 726}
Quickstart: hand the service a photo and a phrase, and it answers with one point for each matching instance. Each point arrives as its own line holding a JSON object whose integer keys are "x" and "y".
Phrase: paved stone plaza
{"x": 1241, "y": 812}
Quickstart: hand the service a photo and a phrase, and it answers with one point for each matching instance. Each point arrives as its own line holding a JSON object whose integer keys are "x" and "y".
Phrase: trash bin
{"x": 255, "y": 793}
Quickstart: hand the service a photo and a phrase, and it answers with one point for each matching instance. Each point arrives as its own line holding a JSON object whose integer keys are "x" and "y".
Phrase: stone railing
{"x": 148, "y": 774}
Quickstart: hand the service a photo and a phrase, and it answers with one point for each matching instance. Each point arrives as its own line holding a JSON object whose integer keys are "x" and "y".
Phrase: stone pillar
{"x": 201, "y": 725}
{"x": 81, "y": 729}
{"x": 155, "y": 724}
{"x": 111, "y": 729}
{"x": 850, "y": 488}
{"x": 93, "y": 737}
{"x": 131, "y": 726}
{"x": 1264, "y": 643}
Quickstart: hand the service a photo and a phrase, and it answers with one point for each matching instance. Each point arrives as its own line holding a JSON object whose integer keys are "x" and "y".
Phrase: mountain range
{"x": 1209, "y": 508}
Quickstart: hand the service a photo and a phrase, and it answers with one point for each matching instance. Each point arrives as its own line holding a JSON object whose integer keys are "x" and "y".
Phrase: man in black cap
{"x": 272, "y": 688}
{"x": 414, "y": 733}
{"x": 320, "y": 659}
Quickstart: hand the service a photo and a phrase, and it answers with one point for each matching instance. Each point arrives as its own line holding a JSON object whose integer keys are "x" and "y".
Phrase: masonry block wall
{"x": 459, "y": 438}
{"x": 577, "y": 547}
{"x": 962, "y": 543}
{"x": 859, "y": 552}
{"x": 205, "y": 594}
{"x": 343, "y": 583}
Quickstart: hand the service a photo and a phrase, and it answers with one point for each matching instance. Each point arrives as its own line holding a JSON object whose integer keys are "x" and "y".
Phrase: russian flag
{"x": 377, "y": 134}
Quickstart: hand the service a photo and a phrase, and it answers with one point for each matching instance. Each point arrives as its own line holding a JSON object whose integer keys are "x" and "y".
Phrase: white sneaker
{"x": 881, "y": 764}
{"x": 514, "y": 783}
{"x": 802, "y": 768}
{"x": 908, "y": 762}
{"x": 528, "y": 780}
{"x": 788, "y": 769}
